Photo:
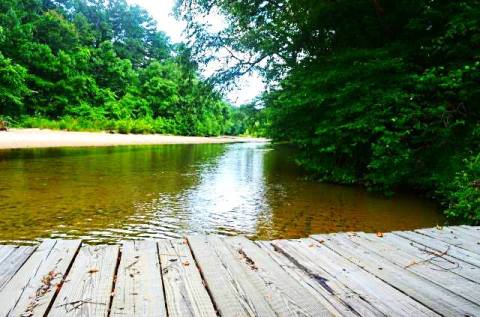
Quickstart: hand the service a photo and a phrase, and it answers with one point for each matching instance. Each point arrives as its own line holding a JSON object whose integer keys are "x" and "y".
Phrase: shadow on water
{"x": 131, "y": 192}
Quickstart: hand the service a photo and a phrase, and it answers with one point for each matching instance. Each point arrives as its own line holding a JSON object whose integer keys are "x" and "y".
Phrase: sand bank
{"x": 40, "y": 138}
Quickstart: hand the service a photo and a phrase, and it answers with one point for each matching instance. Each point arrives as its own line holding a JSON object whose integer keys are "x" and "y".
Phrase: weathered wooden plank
{"x": 441, "y": 246}
{"x": 230, "y": 285}
{"x": 475, "y": 230}
{"x": 385, "y": 298}
{"x": 88, "y": 287}
{"x": 311, "y": 275}
{"x": 361, "y": 274}
{"x": 343, "y": 300}
{"x": 428, "y": 270}
{"x": 422, "y": 290}
{"x": 441, "y": 259}
{"x": 31, "y": 290}
{"x": 5, "y": 250}
{"x": 138, "y": 287}
{"x": 13, "y": 262}
{"x": 285, "y": 295}
{"x": 448, "y": 236}
{"x": 185, "y": 292}
{"x": 466, "y": 233}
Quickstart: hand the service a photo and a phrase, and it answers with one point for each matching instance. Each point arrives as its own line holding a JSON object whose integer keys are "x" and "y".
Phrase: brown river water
{"x": 108, "y": 194}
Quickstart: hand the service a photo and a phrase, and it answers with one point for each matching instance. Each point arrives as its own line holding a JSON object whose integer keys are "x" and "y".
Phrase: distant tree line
{"x": 94, "y": 64}
{"x": 384, "y": 93}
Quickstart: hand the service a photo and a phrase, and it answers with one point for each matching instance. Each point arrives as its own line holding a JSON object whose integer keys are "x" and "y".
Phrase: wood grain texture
{"x": 362, "y": 285}
{"x": 437, "y": 260}
{"x": 311, "y": 275}
{"x": 436, "y": 298}
{"x": 231, "y": 286}
{"x": 138, "y": 288}
{"x": 467, "y": 233}
{"x": 441, "y": 246}
{"x": 88, "y": 287}
{"x": 12, "y": 262}
{"x": 447, "y": 235}
{"x": 429, "y": 270}
{"x": 31, "y": 290}
{"x": 473, "y": 230}
{"x": 286, "y": 296}
{"x": 5, "y": 250}
{"x": 185, "y": 293}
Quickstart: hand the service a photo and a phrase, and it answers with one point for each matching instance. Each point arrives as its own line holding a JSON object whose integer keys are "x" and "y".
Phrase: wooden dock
{"x": 423, "y": 272}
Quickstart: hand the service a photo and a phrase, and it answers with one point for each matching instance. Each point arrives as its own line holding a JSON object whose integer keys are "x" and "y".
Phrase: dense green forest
{"x": 384, "y": 93}
{"x": 91, "y": 64}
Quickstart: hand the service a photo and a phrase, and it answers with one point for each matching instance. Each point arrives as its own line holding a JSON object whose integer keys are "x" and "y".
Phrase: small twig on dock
{"x": 132, "y": 264}
{"x": 435, "y": 256}
{"x": 78, "y": 303}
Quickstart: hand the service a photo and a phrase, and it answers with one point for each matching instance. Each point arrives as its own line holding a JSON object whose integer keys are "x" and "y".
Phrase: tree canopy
{"x": 383, "y": 93}
{"x": 101, "y": 65}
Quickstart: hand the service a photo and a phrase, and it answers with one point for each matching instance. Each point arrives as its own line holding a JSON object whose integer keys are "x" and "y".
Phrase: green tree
{"x": 52, "y": 29}
{"x": 12, "y": 88}
{"x": 383, "y": 93}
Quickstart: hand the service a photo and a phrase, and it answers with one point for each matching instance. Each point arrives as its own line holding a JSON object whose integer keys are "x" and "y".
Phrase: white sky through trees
{"x": 161, "y": 11}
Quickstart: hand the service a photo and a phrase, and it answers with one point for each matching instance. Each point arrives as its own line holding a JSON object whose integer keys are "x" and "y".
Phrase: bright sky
{"x": 161, "y": 10}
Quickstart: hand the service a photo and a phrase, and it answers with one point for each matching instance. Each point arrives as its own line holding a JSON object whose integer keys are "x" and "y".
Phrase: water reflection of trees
{"x": 301, "y": 207}
{"x": 169, "y": 190}
{"x": 228, "y": 197}
{"x": 76, "y": 191}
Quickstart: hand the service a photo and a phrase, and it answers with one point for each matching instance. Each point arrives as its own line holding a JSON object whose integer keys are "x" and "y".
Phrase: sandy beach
{"x": 41, "y": 138}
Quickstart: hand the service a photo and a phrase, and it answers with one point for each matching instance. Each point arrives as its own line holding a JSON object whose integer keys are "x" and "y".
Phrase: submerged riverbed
{"x": 108, "y": 194}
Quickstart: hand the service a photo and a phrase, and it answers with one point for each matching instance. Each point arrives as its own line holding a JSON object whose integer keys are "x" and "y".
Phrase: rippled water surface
{"x": 114, "y": 193}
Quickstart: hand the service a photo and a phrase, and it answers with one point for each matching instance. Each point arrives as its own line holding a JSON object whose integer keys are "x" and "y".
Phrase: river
{"x": 107, "y": 194}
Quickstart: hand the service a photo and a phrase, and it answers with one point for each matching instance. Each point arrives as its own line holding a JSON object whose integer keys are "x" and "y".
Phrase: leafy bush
{"x": 124, "y": 126}
{"x": 463, "y": 194}
{"x": 142, "y": 126}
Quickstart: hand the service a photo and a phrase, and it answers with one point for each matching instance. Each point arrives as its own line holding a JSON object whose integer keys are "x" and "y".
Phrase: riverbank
{"x": 42, "y": 138}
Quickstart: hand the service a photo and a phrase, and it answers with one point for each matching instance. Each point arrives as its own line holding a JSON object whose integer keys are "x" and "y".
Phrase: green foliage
{"x": 52, "y": 29}
{"x": 382, "y": 93}
{"x": 249, "y": 120}
{"x": 82, "y": 65}
{"x": 463, "y": 194}
{"x": 12, "y": 87}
